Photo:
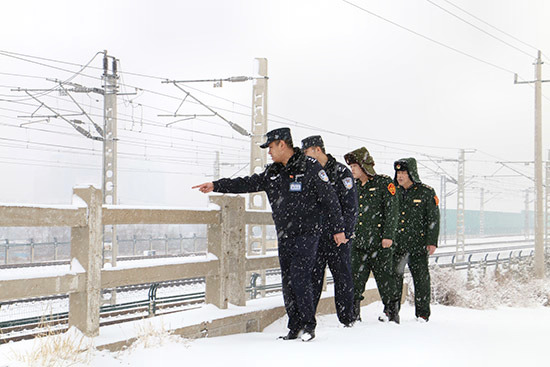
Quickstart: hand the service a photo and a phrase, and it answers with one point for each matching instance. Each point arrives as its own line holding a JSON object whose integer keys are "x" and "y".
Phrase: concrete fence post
{"x": 227, "y": 240}
{"x": 86, "y": 247}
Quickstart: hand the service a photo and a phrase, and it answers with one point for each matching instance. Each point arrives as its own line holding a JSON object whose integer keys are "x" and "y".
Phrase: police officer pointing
{"x": 299, "y": 191}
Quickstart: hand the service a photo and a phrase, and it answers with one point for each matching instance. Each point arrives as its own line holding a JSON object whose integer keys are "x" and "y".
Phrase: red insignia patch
{"x": 391, "y": 188}
{"x": 436, "y": 200}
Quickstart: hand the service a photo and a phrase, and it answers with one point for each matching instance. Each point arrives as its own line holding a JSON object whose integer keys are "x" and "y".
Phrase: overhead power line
{"x": 297, "y": 123}
{"x": 490, "y": 25}
{"x": 428, "y": 38}
{"x": 478, "y": 28}
{"x": 383, "y": 143}
{"x": 94, "y": 153}
{"x": 274, "y": 118}
{"x": 74, "y": 74}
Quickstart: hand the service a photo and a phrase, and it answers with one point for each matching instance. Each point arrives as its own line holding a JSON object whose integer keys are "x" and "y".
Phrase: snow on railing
{"x": 224, "y": 266}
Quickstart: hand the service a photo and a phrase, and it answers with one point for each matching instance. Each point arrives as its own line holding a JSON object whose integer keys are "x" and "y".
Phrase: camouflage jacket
{"x": 418, "y": 224}
{"x": 378, "y": 212}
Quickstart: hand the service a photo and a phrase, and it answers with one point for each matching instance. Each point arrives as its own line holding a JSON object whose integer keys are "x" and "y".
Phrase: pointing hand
{"x": 205, "y": 187}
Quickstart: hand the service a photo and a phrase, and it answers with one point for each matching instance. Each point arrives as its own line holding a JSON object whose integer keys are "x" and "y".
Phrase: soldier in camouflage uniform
{"x": 372, "y": 248}
{"x": 417, "y": 232}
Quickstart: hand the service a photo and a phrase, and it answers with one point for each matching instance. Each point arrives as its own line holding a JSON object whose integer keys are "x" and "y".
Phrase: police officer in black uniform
{"x": 338, "y": 258}
{"x": 299, "y": 192}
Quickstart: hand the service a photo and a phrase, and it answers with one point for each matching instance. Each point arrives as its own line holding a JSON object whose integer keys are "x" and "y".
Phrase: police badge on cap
{"x": 401, "y": 165}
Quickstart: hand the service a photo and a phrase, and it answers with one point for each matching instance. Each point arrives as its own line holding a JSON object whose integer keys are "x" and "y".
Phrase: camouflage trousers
{"x": 379, "y": 261}
{"x": 418, "y": 266}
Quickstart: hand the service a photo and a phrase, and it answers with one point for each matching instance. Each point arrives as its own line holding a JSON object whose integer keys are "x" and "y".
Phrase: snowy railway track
{"x": 482, "y": 253}
{"x": 182, "y": 299}
{"x": 24, "y": 328}
{"x": 59, "y": 323}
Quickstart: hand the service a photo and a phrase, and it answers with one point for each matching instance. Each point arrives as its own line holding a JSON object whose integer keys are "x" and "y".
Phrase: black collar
{"x": 295, "y": 165}
{"x": 331, "y": 167}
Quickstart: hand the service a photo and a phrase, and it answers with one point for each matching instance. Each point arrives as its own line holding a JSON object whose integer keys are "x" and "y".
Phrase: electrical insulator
{"x": 239, "y": 78}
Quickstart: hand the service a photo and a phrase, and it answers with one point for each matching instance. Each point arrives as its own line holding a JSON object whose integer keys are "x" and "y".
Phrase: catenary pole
{"x": 539, "y": 215}
{"x": 460, "y": 230}
{"x": 258, "y": 157}
{"x": 482, "y": 212}
{"x": 110, "y": 78}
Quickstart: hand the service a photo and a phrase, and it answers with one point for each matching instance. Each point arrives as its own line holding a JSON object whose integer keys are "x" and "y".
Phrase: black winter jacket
{"x": 343, "y": 183}
{"x": 299, "y": 194}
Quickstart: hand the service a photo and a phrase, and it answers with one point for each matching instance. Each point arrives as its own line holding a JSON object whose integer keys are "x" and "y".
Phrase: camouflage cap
{"x": 409, "y": 165}
{"x": 363, "y": 158}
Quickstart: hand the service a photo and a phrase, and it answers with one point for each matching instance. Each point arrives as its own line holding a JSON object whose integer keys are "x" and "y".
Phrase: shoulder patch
{"x": 348, "y": 183}
{"x": 391, "y": 188}
{"x": 436, "y": 200}
{"x": 323, "y": 175}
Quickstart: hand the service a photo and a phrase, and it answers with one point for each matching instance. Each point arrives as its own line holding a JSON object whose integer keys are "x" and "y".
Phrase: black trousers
{"x": 338, "y": 259}
{"x": 297, "y": 258}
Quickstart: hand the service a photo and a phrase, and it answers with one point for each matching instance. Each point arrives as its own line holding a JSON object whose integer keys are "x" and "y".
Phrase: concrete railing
{"x": 224, "y": 267}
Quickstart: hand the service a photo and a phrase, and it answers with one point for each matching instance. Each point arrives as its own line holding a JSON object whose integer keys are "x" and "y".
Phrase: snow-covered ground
{"x": 453, "y": 337}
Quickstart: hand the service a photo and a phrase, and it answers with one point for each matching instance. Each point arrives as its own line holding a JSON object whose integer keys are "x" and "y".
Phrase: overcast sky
{"x": 334, "y": 69}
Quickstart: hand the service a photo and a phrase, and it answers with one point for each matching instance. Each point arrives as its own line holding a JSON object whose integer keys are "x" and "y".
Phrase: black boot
{"x": 385, "y": 317}
{"x": 357, "y": 310}
{"x": 292, "y": 334}
{"x": 393, "y": 314}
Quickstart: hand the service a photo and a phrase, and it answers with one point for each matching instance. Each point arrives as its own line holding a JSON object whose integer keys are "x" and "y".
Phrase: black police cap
{"x": 313, "y": 141}
{"x": 278, "y": 134}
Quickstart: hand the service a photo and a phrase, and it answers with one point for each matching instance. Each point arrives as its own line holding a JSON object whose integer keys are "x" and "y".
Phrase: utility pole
{"x": 217, "y": 166}
{"x": 258, "y": 156}
{"x": 107, "y": 134}
{"x": 110, "y": 87}
{"x": 460, "y": 230}
{"x": 539, "y": 216}
{"x": 482, "y": 212}
{"x": 460, "y": 204}
{"x": 443, "y": 207}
